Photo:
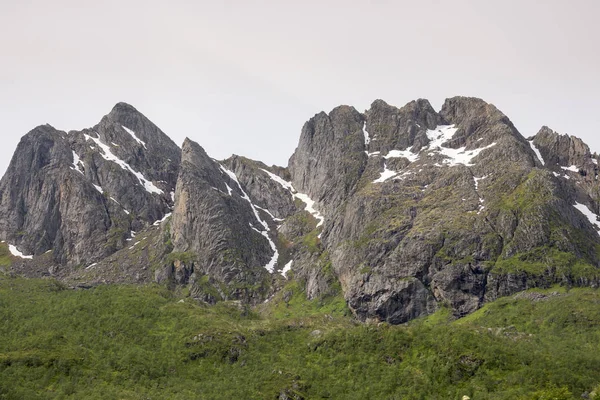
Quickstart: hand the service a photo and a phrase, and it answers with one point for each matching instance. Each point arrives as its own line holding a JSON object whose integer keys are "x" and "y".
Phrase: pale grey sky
{"x": 243, "y": 76}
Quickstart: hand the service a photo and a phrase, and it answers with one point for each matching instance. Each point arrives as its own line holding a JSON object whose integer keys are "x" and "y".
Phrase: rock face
{"x": 80, "y": 194}
{"x": 215, "y": 220}
{"x": 330, "y": 157}
{"x": 441, "y": 210}
{"x": 403, "y": 210}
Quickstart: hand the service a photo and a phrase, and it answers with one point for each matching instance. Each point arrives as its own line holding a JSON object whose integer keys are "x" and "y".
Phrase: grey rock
{"x": 85, "y": 212}
{"x": 215, "y": 223}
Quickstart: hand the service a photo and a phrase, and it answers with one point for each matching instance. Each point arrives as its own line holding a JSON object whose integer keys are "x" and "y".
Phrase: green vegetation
{"x": 185, "y": 257}
{"x": 556, "y": 265}
{"x": 5, "y": 256}
{"x": 132, "y": 342}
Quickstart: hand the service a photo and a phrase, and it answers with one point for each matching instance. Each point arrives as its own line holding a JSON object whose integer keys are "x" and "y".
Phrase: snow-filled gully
{"x": 265, "y": 232}
{"x": 310, "y": 204}
{"x": 107, "y": 154}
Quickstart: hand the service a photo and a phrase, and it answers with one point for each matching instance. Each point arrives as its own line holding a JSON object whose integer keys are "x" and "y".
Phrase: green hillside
{"x": 132, "y": 342}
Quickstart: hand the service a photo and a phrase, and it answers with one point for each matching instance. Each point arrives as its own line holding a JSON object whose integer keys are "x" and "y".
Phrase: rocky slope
{"x": 403, "y": 210}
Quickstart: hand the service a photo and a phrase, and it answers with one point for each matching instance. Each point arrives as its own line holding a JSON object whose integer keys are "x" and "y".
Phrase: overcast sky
{"x": 243, "y": 76}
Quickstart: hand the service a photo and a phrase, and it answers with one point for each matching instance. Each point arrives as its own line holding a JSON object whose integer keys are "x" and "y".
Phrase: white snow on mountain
{"x": 412, "y": 157}
{"x": 287, "y": 267}
{"x": 367, "y": 138}
{"x": 310, "y": 204}
{"x": 572, "y": 168}
{"x": 132, "y": 133}
{"x": 593, "y": 218}
{"x": 271, "y": 264}
{"x": 76, "y": 161}
{"x": 441, "y": 135}
{"x": 15, "y": 252}
{"x": 109, "y": 156}
{"x": 385, "y": 175}
{"x": 537, "y": 152}
{"x": 160, "y": 221}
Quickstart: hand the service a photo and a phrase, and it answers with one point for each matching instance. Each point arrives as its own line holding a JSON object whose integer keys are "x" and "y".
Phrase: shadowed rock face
{"x": 214, "y": 221}
{"x": 330, "y": 157}
{"x": 406, "y": 209}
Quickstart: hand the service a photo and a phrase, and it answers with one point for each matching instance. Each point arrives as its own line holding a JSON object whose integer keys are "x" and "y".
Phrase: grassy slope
{"x": 131, "y": 342}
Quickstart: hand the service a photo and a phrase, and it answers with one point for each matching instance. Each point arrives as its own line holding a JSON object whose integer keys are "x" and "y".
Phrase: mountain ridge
{"x": 401, "y": 209}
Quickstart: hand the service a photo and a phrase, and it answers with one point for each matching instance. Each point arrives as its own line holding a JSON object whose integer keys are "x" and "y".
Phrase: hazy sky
{"x": 243, "y": 76}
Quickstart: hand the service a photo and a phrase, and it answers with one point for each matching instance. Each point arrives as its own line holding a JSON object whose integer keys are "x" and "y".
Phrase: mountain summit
{"x": 403, "y": 209}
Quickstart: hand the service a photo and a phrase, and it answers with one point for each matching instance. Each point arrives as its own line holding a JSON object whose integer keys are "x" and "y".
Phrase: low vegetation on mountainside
{"x": 146, "y": 342}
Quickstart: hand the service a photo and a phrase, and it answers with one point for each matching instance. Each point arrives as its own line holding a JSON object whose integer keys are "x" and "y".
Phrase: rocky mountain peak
{"x": 562, "y": 150}
{"x": 390, "y": 128}
{"x": 193, "y": 153}
{"x": 405, "y": 208}
{"x": 81, "y": 194}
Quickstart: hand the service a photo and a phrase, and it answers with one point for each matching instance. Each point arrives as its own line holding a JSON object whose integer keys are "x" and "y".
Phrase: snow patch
{"x": 310, "y": 204}
{"x": 286, "y": 185}
{"x": 76, "y": 161}
{"x": 388, "y": 174}
{"x": 109, "y": 156}
{"x": 572, "y": 168}
{"x": 15, "y": 252}
{"x": 99, "y": 188}
{"x": 477, "y": 181}
{"x": 412, "y": 157}
{"x": 385, "y": 175}
{"x": 310, "y": 207}
{"x": 593, "y": 218}
{"x": 481, "y": 200}
{"x": 595, "y": 161}
{"x": 287, "y": 267}
{"x": 132, "y": 133}
{"x": 367, "y": 138}
{"x": 441, "y": 135}
{"x": 537, "y": 152}
{"x": 160, "y": 221}
{"x": 403, "y": 175}
{"x": 229, "y": 190}
{"x": 91, "y": 265}
{"x": 274, "y": 218}
{"x": 113, "y": 199}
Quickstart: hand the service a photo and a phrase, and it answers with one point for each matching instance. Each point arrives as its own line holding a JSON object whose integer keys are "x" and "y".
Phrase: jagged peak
{"x": 413, "y": 104}
{"x": 547, "y": 131}
{"x": 457, "y": 106}
{"x": 126, "y": 115}
{"x": 379, "y": 103}
{"x": 193, "y": 153}
{"x": 43, "y": 128}
{"x": 124, "y": 107}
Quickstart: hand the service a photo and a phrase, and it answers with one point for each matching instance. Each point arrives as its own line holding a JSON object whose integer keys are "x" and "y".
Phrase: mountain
{"x": 402, "y": 210}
